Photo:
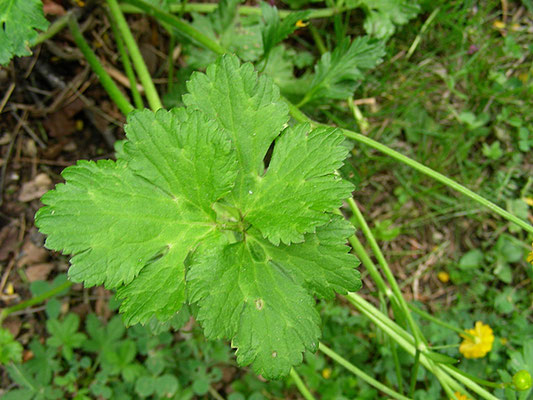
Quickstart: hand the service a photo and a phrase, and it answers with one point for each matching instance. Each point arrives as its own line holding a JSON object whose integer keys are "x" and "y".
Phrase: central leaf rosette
{"x": 188, "y": 214}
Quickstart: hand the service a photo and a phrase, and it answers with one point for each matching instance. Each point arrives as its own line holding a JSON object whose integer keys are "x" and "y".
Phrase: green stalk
{"x": 440, "y": 370}
{"x": 34, "y": 300}
{"x": 318, "y": 39}
{"x": 136, "y": 57}
{"x": 478, "y": 380}
{"x": 109, "y": 85}
{"x": 206, "y": 8}
{"x": 359, "y": 373}
{"x": 438, "y": 177}
{"x": 415, "y": 43}
{"x": 440, "y": 322}
{"x": 397, "y": 366}
{"x": 57, "y": 26}
{"x": 414, "y": 374}
{"x": 180, "y": 25}
{"x": 361, "y": 253}
{"x": 128, "y": 69}
{"x": 386, "y": 270}
{"x": 301, "y": 385}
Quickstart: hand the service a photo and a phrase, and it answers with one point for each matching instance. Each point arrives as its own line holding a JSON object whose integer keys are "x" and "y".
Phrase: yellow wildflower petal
{"x": 480, "y": 345}
{"x": 528, "y": 200}
{"x": 443, "y": 276}
{"x": 461, "y": 396}
{"x": 9, "y": 289}
{"x": 326, "y": 373}
{"x": 301, "y": 24}
{"x": 498, "y": 24}
{"x": 530, "y": 255}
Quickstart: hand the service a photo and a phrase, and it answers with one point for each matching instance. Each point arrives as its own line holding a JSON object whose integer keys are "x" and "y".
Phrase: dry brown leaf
{"x": 31, "y": 255}
{"x": 35, "y": 188}
{"x": 39, "y": 272}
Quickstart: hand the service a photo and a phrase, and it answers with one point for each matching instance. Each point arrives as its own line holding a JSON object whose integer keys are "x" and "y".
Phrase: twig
{"x": 7, "y": 95}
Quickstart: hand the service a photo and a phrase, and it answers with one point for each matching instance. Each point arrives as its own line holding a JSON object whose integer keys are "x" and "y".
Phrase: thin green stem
{"x": 478, "y": 380}
{"x": 109, "y": 85}
{"x": 136, "y": 57}
{"x": 440, "y": 322}
{"x": 205, "y": 8}
{"x": 57, "y": 26}
{"x": 359, "y": 373}
{"x": 397, "y": 365}
{"x": 363, "y": 256}
{"x": 301, "y": 385}
{"x": 34, "y": 300}
{"x": 414, "y": 374}
{"x": 179, "y": 24}
{"x": 399, "y": 335}
{"x": 128, "y": 69}
{"x": 415, "y": 43}
{"x": 301, "y": 117}
{"x": 318, "y": 39}
{"x": 386, "y": 270}
{"x": 438, "y": 177}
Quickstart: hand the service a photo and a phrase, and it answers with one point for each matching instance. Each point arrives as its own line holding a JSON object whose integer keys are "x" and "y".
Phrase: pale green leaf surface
{"x": 245, "y": 297}
{"x": 145, "y": 212}
{"x": 322, "y": 263}
{"x": 172, "y": 220}
{"x": 114, "y": 222}
{"x": 300, "y": 185}
{"x": 19, "y": 20}
{"x": 337, "y": 73}
{"x": 383, "y": 15}
{"x": 247, "y": 107}
{"x": 182, "y": 153}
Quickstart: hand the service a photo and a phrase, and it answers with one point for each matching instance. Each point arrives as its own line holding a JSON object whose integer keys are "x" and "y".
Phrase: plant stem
{"x": 478, "y": 380}
{"x": 414, "y": 374}
{"x": 136, "y": 57}
{"x": 468, "y": 382}
{"x": 301, "y": 117}
{"x": 34, "y": 300}
{"x": 244, "y": 10}
{"x": 109, "y": 85}
{"x": 386, "y": 270}
{"x": 301, "y": 385}
{"x": 359, "y": 373}
{"x": 438, "y": 177}
{"x": 318, "y": 39}
{"x": 361, "y": 253}
{"x": 440, "y": 322}
{"x": 137, "y": 99}
{"x": 399, "y": 335}
{"x": 180, "y": 25}
{"x": 57, "y": 26}
{"x": 418, "y": 37}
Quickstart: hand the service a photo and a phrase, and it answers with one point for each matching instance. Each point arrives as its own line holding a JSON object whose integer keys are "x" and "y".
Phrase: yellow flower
{"x": 326, "y": 373}
{"x": 481, "y": 344}
{"x": 443, "y": 276}
{"x": 498, "y": 24}
{"x": 301, "y": 24}
{"x": 461, "y": 396}
{"x": 530, "y": 255}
